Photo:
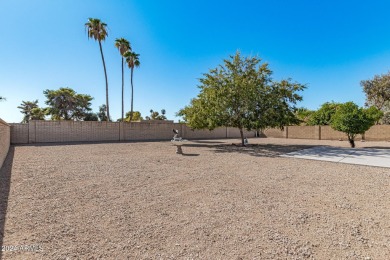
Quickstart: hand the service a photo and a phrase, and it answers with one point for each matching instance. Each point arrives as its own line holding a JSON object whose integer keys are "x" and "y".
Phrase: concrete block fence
{"x": 77, "y": 131}
{"x": 37, "y": 131}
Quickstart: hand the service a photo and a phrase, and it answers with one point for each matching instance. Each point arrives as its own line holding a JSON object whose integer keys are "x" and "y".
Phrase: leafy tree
{"x": 240, "y": 93}
{"x": 352, "y": 120}
{"x": 386, "y": 118}
{"x": 375, "y": 114}
{"x": 132, "y": 60}
{"x": 377, "y": 91}
{"x": 38, "y": 113}
{"x": 66, "y": 104}
{"x": 98, "y": 31}
{"x": 91, "y": 117}
{"x": 26, "y": 109}
{"x": 102, "y": 115}
{"x": 304, "y": 115}
{"x": 123, "y": 46}
{"x": 323, "y": 116}
{"x": 136, "y": 116}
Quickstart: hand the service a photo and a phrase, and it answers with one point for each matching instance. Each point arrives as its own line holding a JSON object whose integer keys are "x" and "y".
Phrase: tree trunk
{"x": 123, "y": 90}
{"x": 105, "y": 74}
{"x": 351, "y": 141}
{"x": 242, "y": 136}
{"x": 132, "y": 94}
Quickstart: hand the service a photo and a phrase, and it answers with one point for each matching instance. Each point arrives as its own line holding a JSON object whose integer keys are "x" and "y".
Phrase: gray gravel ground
{"x": 218, "y": 201}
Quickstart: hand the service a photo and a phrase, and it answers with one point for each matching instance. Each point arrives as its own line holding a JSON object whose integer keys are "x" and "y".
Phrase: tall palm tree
{"x": 98, "y": 31}
{"x": 132, "y": 60}
{"x": 123, "y": 46}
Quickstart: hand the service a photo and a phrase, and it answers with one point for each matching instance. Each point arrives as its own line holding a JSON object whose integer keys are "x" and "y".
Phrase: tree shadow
{"x": 5, "y": 182}
{"x": 190, "y": 154}
{"x": 207, "y": 142}
{"x": 377, "y": 147}
{"x": 258, "y": 150}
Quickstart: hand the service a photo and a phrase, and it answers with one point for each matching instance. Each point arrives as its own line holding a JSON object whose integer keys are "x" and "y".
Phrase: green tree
{"x": 136, "y": 116}
{"x": 323, "y": 115}
{"x": 123, "y": 46}
{"x": 90, "y": 117}
{"x": 98, "y": 31}
{"x": 304, "y": 115}
{"x": 240, "y": 93}
{"x": 377, "y": 91}
{"x": 102, "y": 114}
{"x": 26, "y": 109}
{"x": 38, "y": 113}
{"x": 132, "y": 60}
{"x": 352, "y": 120}
{"x": 66, "y": 104}
{"x": 374, "y": 113}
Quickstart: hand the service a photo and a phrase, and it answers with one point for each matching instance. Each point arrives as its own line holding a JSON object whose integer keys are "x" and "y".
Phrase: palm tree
{"x": 98, "y": 31}
{"x": 132, "y": 62}
{"x": 26, "y": 109}
{"x": 123, "y": 46}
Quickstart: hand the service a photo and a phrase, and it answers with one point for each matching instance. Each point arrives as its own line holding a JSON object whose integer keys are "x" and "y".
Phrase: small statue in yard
{"x": 175, "y": 137}
{"x": 177, "y": 141}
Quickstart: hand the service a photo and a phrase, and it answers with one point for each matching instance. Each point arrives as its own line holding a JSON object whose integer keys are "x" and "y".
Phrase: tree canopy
{"x": 136, "y": 116}
{"x": 304, "y": 115}
{"x": 102, "y": 114}
{"x": 66, "y": 104}
{"x": 377, "y": 91}
{"x": 154, "y": 115}
{"x": 323, "y": 115}
{"x": 241, "y": 93}
{"x": 31, "y": 111}
{"x": 352, "y": 120}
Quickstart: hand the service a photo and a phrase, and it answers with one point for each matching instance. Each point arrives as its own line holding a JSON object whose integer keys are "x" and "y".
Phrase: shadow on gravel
{"x": 114, "y": 142}
{"x": 190, "y": 154}
{"x": 258, "y": 150}
{"x": 89, "y": 142}
{"x": 5, "y": 181}
{"x": 377, "y": 147}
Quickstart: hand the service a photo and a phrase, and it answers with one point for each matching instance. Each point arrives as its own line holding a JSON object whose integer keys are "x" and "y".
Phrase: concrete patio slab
{"x": 361, "y": 156}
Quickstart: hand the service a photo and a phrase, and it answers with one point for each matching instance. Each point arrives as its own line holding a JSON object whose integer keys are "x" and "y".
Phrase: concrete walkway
{"x": 361, "y": 156}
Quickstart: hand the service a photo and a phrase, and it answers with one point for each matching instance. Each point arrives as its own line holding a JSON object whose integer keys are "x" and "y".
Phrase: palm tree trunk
{"x": 123, "y": 86}
{"x": 132, "y": 95}
{"x": 105, "y": 74}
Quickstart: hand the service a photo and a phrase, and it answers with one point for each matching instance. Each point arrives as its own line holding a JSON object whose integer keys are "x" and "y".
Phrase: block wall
{"x": 274, "y": 133}
{"x": 5, "y": 140}
{"x": 302, "y": 132}
{"x": 71, "y": 131}
{"x": 378, "y": 133}
{"x": 19, "y": 133}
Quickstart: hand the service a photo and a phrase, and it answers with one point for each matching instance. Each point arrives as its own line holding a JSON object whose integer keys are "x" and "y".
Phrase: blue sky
{"x": 329, "y": 45}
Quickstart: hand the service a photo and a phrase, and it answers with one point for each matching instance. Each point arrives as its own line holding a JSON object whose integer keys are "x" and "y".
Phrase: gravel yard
{"x": 218, "y": 201}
